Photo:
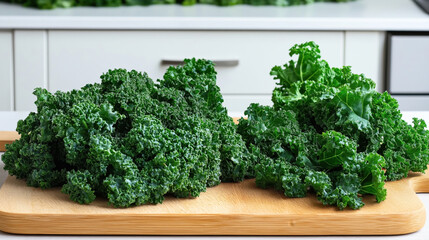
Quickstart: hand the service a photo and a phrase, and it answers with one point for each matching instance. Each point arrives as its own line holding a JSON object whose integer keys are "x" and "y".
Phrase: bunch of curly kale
{"x": 330, "y": 131}
{"x": 131, "y": 140}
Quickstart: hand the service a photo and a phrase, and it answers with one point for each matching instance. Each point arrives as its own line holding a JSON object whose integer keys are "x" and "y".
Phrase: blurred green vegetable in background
{"x": 50, "y": 4}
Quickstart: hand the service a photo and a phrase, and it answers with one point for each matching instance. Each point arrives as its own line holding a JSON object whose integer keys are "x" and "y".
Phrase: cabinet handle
{"x": 219, "y": 63}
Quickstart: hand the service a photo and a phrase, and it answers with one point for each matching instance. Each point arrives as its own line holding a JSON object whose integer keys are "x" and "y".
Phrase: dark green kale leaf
{"x": 196, "y": 80}
{"x": 336, "y": 150}
{"x": 350, "y": 105}
{"x": 78, "y": 187}
{"x": 404, "y": 146}
{"x": 330, "y": 132}
{"x": 354, "y": 107}
{"x": 345, "y": 192}
{"x": 372, "y": 176}
{"x": 281, "y": 175}
{"x": 131, "y": 140}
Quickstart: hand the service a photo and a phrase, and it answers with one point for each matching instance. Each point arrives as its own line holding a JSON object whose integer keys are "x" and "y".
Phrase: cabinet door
{"x": 30, "y": 64}
{"x": 6, "y": 71}
{"x": 80, "y": 57}
{"x": 408, "y": 62}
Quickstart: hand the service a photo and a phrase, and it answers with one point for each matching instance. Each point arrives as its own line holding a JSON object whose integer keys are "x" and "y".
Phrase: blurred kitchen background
{"x": 62, "y": 49}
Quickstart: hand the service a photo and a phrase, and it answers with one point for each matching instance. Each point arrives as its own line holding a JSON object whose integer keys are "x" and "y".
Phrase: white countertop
{"x": 8, "y": 121}
{"x": 366, "y": 15}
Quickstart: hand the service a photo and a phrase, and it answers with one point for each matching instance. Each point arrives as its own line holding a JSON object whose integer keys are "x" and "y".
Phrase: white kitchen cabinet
{"x": 412, "y": 103}
{"x": 30, "y": 65}
{"x": 6, "y": 71}
{"x": 69, "y": 48}
{"x": 80, "y": 57}
{"x": 68, "y": 59}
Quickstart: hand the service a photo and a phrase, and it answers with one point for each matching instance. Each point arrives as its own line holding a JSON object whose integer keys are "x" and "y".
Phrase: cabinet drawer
{"x": 79, "y": 57}
{"x": 407, "y": 63}
{"x": 413, "y": 103}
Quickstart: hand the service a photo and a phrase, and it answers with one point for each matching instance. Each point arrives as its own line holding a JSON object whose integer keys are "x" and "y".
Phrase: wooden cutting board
{"x": 7, "y": 137}
{"x": 227, "y": 209}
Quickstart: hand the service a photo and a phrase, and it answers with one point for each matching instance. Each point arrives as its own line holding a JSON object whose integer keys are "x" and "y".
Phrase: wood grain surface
{"x": 227, "y": 209}
{"x": 7, "y": 137}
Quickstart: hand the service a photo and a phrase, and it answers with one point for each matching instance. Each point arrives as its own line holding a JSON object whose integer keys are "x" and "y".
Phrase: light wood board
{"x": 7, "y": 137}
{"x": 227, "y": 209}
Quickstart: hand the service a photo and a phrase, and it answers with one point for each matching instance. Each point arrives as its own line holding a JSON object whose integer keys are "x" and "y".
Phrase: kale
{"x": 330, "y": 132}
{"x": 131, "y": 140}
{"x": 50, "y": 4}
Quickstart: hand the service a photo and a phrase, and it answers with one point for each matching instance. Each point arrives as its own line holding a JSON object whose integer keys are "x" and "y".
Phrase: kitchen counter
{"x": 373, "y": 15}
{"x": 8, "y": 120}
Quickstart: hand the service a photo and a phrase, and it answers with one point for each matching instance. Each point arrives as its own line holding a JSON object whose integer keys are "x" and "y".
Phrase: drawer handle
{"x": 218, "y": 63}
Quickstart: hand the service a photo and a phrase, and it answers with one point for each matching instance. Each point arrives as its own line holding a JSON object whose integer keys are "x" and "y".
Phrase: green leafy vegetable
{"x": 50, "y": 4}
{"x": 330, "y": 131}
{"x": 131, "y": 140}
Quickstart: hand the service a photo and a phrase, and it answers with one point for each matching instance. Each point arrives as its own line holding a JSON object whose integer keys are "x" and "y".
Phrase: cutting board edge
{"x": 420, "y": 184}
{"x": 211, "y": 224}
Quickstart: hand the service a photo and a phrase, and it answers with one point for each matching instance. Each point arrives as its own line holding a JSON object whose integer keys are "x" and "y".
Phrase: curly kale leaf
{"x": 354, "y": 107}
{"x": 403, "y": 146}
{"x": 130, "y": 140}
{"x": 276, "y": 133}
{"x": 32, "y": 158}
{"x": 78, "y": 187}
{"x": 308, "y": 67}
{"x": 196, "y": 81}
{"x": 336, "y": 150}
{"x": 281, "y": 175}
{"x": 345, "y": 192}
{"x": 330, "y": 131}
{"x": 372, "y": 177}
{"x": 337, "y": 99}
